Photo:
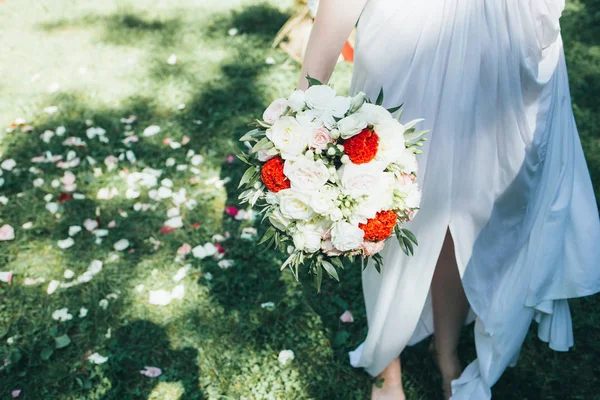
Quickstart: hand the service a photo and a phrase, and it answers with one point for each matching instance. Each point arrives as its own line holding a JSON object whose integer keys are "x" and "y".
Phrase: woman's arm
{"x": 333, "y": 24}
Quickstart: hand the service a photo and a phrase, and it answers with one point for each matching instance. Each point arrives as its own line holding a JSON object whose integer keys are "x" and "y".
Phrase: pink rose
{"x": 372, "y": 248}
{"x": 274, "y": 111}
{"x": 319, "y": 138}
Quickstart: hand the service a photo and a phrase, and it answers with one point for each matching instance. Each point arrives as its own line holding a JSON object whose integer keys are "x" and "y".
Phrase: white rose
{"x": 391, "y": 140}
{"x": 339, "y": 106}
{"x": 277, "y": 219}
{"x": 288, "y": 136}
{"x": 319, "y": 97}
{"x": 346, "y": 237}
{"x": 274, "y": 111}
{"x": 272, "y": 198}
{"x": 411, "y": 195}
{"x": 296, "y": 101}
{"x": 322, "y": 204}
{"x": 305, "y": 173}
{"x": 319, "y": 138}
{"x": 351, "y": 125}
{"x": 374, "y": 114}
{"x": 295, "y": 205}
{"x": 336, "y": 215}
{"x": 406, "y": 160}
{"x": 307, "y": 237}
{"x": 359, "y": 180}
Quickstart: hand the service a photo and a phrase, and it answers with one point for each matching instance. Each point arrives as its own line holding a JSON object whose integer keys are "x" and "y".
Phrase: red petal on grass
{"x": 165, "y": 230}
{"x": 64, "y": 197}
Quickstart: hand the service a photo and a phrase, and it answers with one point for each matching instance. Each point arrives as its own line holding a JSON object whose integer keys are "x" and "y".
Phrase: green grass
{"x": 108, "y": 60}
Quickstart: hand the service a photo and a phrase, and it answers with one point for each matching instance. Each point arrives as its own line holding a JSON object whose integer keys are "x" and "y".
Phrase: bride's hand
{"x": 333, "y": 24}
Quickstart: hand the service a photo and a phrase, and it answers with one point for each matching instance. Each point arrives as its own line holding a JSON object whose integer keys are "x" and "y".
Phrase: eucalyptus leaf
{"x": 253, "y": 134}
{"x": 268, "y": 235}
{"x": 411, "y": 236}
{"x": 330, "y": 270}
{"x": 318, "y": 277}
{"x": 247, "y": 175}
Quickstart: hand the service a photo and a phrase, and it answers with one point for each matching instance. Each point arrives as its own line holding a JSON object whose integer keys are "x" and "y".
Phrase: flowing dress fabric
{"x": 503, "y": 169}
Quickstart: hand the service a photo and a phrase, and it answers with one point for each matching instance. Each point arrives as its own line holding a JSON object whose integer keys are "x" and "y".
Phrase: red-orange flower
{"x": 272, "y": 175}
{"x": 380, "y": 227}
{"x": 362, "y": 148}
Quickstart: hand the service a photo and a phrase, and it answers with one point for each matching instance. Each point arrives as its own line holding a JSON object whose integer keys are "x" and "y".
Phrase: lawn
{"x": 144, "y": 101}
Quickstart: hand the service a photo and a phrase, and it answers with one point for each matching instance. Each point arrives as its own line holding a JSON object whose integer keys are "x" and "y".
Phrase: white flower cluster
{"x": 325, "y": 165}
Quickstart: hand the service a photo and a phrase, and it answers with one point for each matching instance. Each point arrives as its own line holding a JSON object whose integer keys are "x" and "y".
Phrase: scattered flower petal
{"x": 7, "y": 233}
{"x": 62, "y": 315}
{"x": 121, "y": 245}
{"x": 65, "y": 244}
{"x": 151, "y": 130}
{"x": 285, "y": 356}
{"x": 151, "y": 372}
{"x": 97, "y": 359}
{"x": 347, "y": 317}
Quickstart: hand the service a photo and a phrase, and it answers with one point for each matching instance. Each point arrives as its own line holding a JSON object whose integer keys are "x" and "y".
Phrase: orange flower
{"x": 380, "y": 227}
{"x": 272, "y": 175}
{"x": 362, "y": 148}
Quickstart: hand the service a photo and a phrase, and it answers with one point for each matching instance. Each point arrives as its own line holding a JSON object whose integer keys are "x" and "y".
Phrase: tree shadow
{"x": 143, "y": 343}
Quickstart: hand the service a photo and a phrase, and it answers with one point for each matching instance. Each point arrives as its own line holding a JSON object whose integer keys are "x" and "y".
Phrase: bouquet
{"x": 335, "y": 177}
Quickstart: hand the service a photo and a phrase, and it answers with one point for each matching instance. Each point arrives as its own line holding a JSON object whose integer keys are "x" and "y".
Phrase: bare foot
{"x": 388, "y": 392}
{"x": 449, "y": 366}
{"x": 388, "y": 385}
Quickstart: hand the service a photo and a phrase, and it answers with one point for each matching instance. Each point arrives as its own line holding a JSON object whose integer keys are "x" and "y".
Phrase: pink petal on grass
{"x": 347, "y": 317}
{"x": 230, "y": 159}
{"x": 7, "y": 233}
{"x": 184, "y": 249}
{"x": 15, "y": 393}
{"x": 151, "y": 372}
{"x": 6, "y": 277}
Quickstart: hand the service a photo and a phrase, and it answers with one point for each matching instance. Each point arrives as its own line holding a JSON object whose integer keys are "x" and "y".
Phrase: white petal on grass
{"x": 175, "y": 222}
{"x": 151, "y": 130}
{"x": 208, "y": 276}
{"x": 4, "y": 200}
{"x": 68, "y": 274}
{"x": 197, "y": 160}
{"x": 121, "y": 245}
{"x": 285, "y": 356}
{"x": 65, "y": 244}
{"x": 181, "y": 273}
{"x": 52, "y": 207}
{"x": 38, "y": 182}
{"x": 232, "y": 31}
{"x": 90, "y": 224}
{"x": 62, "y": 315}
{"x": 172, "y": 60}
{"x": 8, "y": 164}
{"x": 83, "y": 312}
{"x": 225, "y": 264}
{"x": 51, "y": 110}
{"x": 269, "y": 305}
{"x": 103, "y": 304}
{"x": 160, "y": 297}
{"x": 7, "y": 233}
{"x": 170, "y": 162}
{"x": 270, "y": 61}
{"x": 52, "y": 286}
{"x": 74, "y": 230}
{"x": 97, "y": 359}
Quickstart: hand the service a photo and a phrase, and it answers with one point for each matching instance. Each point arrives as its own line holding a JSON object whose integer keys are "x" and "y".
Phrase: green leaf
{"x": 379, "y": 100}
{"x": 46, "y": 353}
{"x": 337, "y": 262}
{"x": 318, "y": 277}
{"x": 411, "y": 236}
{"x": 268, "y": 235}
{"x": 412, "y": 136}
{"x": 263, "y": 124}
{"x": 244, "y": 158}
{"x": 62, "y": 341}
{"x": 379, "y": 382}
{"x": 253, "y": 134}
{"x": 247, "y": 176}
{"x": 263, "y": 144}
{"x": 312, "y": 81}
{"x": 394, "y": 109}
{"x": 330, "y": 270}
{"x": 409, "y": 246}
